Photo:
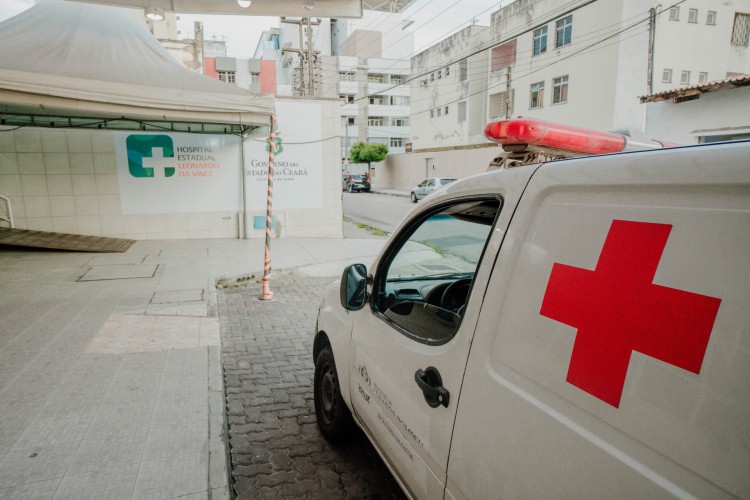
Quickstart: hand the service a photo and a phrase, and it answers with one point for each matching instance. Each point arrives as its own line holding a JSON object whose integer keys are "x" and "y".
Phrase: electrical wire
{"x": 552, "y": 13}
{"x": 418, "y": 28}
{"x": 494, "y": 44}
{"x": 499, "y": 84}
{"x": 556, "y": 61}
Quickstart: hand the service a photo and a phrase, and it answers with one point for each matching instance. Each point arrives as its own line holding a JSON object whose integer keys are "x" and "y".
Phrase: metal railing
{"x": 9, "y": 211}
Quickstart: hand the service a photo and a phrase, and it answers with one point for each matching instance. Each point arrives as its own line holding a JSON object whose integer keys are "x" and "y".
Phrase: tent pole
{"x": 267, "y": 294}
{"x": 244, "y": 192}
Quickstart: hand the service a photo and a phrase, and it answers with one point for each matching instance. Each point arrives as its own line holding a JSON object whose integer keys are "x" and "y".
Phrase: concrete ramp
{"x": 62, "y": 241}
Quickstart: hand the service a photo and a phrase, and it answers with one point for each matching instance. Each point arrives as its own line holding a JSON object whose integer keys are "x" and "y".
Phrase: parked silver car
{"x": 427, "y": 186}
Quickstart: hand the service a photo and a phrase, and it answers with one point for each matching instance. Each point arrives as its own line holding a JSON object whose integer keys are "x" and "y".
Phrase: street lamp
{"x": 155, "y": 14}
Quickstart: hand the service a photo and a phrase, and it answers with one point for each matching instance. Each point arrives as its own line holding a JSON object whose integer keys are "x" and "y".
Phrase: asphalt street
{"x": 377, "y": 210}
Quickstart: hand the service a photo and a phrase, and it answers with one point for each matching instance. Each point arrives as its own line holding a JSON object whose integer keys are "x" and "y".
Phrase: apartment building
{"x": 190, "y": 52}
{"x": 701, "y": 41}
{"x": 348, "y": 64}
{"x": 449, "y": 91}
{"x": 582, "y": 63}
{"x": 364, "y": 62}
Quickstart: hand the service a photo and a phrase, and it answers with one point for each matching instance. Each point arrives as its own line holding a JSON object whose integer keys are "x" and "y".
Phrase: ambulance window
{"x": 423, "y": 286}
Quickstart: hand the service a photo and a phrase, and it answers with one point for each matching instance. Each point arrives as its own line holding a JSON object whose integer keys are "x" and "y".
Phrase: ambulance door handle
{"x": 431, "y": 383}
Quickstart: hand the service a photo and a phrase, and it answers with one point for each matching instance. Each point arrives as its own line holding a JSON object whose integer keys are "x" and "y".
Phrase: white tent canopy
{"x": 275, "y": 8}
{"x": 71, "y": 59}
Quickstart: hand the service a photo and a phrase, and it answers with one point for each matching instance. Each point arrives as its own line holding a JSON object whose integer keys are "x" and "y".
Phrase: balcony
{"x": 348, "y": 87}
{"x": 374, "y": 88}
{"x": 350, "y": 109}
{"x": 387, "y": 131}
{"x": 353, "y": 131}
{"x": 386, "y": 110}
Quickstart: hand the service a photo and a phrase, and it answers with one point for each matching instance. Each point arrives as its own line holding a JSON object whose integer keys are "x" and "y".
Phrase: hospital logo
{"x": 278, "y": 149}
{"x": 150, "y": 155}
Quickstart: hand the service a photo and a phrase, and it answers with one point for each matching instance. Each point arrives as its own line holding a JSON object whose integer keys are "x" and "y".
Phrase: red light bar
{"x": 523, "y": 134}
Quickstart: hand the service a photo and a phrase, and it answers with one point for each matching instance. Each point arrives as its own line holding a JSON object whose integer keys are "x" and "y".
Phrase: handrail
{"x": 9, "y": 218}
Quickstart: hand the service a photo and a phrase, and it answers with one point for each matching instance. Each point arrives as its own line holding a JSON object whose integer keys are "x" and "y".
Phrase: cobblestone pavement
{"x": 276, "y": 449}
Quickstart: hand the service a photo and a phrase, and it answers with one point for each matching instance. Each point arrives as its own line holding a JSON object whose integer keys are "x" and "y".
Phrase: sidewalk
{"x": 110, "y": 375}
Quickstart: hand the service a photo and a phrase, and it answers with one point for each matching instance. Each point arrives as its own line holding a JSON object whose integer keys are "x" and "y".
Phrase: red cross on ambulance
{"x": 617, "y": 309}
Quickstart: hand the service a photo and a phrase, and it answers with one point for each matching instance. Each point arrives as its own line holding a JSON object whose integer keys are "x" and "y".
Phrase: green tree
{"x": 368, "y": 152}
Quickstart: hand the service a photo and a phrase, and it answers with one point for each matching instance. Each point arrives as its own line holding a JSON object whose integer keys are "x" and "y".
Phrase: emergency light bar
{"x": 525, "y": 135}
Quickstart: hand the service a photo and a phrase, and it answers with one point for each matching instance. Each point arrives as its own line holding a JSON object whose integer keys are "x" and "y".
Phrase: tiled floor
{"x": 112, "y": 388}
{"x": 99, "y": 398}
{"x": 124, "y": 333}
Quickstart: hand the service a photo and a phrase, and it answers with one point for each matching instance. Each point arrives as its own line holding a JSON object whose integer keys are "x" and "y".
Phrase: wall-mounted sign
{"x": 298, "y": 172}
{"x": 175, "y": 173}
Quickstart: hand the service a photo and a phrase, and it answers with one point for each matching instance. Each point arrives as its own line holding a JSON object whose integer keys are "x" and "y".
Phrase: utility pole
{"x": 508, "y": 107}
{"x": 310, "y": 59}
{"x": 346, "y": 146}
{"x": 198, "y": 27}
{"x": 651, "y": 38}
{"x": 304, "y": 82}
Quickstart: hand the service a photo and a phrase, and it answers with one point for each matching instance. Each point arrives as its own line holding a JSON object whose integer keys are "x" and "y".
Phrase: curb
{"x": 391, "y": 193}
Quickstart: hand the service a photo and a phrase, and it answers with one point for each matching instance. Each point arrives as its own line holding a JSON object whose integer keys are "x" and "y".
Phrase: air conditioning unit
{"x": 422, "y": 83}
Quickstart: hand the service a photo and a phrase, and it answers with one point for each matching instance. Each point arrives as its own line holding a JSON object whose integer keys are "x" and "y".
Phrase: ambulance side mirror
{"x": 353, "y": 290}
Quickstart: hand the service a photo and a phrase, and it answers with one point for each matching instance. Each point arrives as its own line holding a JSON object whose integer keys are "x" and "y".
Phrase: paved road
{"x": 377, "y": 210}
{"x": 275, "y": 446}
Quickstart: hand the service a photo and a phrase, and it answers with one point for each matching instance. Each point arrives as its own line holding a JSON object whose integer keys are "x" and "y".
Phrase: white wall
{"x": 698, "y": 47}
{"x": 321, "y": 219}
{"x": 67, "y": 181}
{"x": 440, "y": 90}
{"x": 396, "y": 43}
{"x": 592, "y": 76}
{"x": 727, "y": 109}
{"x": 632, "y": 71}
{"x": 403, "y": 171}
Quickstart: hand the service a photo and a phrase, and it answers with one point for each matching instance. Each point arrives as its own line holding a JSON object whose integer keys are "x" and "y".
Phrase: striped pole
{"x": 267, "y": 294}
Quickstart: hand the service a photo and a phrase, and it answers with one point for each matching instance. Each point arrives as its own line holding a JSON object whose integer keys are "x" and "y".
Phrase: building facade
{"x": 583, "y": 64}
{"x": 363, "y": 62}
{"x": 706, "y": 112}
{"x": 449, "y": 91}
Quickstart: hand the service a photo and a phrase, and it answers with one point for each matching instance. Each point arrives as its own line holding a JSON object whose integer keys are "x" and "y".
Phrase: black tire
{"x": 334, "y": 418}
{"x": 413, "y": 197}
{"x": 351, "y": 188}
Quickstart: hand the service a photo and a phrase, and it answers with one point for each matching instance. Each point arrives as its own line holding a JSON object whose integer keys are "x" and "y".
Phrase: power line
{"x": 520, "y": 62}
{"x": 543, "y": 67}
{"x": 540, "y": 68}
{"x": 489, "y": 43}
{"x": 451, "y": 82}
{"x": 420, "y": 27}
{"x": 571, "y": 55}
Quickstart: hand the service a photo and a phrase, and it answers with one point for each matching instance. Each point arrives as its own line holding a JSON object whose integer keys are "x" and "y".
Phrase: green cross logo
{"x": 278, "y": 149}
{"x": 147, "y": 154}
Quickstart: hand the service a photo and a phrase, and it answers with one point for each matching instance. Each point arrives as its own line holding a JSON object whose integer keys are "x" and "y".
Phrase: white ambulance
{"x": 569, "y": 329}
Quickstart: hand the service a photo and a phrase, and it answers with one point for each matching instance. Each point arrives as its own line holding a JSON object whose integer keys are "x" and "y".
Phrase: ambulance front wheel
{"x": 334, "y": 419}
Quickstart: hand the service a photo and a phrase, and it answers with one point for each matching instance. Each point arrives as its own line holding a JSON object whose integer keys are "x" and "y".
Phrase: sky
{"x": 433, "y": 21}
